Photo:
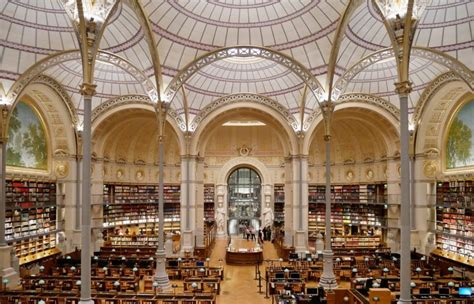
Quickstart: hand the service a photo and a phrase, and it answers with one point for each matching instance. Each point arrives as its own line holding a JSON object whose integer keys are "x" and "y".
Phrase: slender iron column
{"x": 328, "y": 279}
{"x": 403, "y": 89}
{"x": 161, "y": 277}
{"x": 88, "y": 90}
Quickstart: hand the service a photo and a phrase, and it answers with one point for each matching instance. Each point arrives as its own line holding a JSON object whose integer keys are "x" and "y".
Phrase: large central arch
{"x": 242, "y": 51}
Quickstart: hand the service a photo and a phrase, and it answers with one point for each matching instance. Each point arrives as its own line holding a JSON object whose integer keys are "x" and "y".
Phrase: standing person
{"x": 252, "y": 232}
{"x": 247, "y": 232}
{"x": 260, "y": 236}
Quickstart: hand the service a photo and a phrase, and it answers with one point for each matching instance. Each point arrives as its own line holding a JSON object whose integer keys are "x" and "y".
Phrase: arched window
{"x": 244, "y": 198}
{"x": 27, "y": 143}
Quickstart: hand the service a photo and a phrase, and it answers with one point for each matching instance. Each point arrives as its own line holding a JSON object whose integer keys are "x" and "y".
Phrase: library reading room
{"x": 236, "y": 151}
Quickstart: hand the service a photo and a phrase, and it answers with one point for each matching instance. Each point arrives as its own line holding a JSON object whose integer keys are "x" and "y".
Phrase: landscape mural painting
{"x": 460, "y": 144}
{"x": 26, "y": 146}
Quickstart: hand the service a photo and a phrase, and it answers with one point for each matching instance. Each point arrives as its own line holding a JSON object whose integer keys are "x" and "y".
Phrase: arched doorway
{"x": 244, "y": 200}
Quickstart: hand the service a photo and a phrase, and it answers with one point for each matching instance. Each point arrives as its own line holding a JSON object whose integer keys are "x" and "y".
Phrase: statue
{"x": 268, "y": 216}
{"x": 220, "y": 218}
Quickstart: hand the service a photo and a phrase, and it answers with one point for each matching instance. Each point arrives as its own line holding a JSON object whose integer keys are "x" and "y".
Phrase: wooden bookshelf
{"x": 455, "y": 220}
{"x": 137, "y": 205}
{"x": 279, "y": 204}
{"x": 357, "y": 211}
{"x": 209, "y": 195}
{"x": 30, "y": 218}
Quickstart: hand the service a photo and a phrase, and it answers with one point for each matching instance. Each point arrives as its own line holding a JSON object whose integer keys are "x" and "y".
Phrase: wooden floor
{"x": 239, "y": 285}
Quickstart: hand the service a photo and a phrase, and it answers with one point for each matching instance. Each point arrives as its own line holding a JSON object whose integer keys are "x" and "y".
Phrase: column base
{"x": 88, "y": 301}
{"x": 401, "y": 301}
{"x": 301, "y": 244}
{"x": 187, "y": 242}
{"x": 161, "y": 277}
{"x": 221, "y": 235}
{"x": 6, "y": 269}
{"x": 415, "y": 239}
{"x": 328, "y": 279}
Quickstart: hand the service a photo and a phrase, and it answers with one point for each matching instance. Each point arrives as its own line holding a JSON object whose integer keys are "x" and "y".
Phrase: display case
{"x": 279, "y": 203}
{"x": 209, "y": 195}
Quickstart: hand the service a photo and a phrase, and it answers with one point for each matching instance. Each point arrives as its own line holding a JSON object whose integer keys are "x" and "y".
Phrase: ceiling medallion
{"x": 119, "y": 174}
{"x": 139, "y": 175}
{"x": 369, "y": 174}
{"x": 349, "y": 175}
{"x": 244, "y": 150}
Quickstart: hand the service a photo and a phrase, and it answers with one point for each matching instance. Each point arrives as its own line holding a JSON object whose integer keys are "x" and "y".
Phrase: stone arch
{"x": 197, "y": 138}
{"x": 135, "y": 102}
{"x": 443, "y": 59}
{"x": 433, "y": 122}
{"x": 243, "y": 161}
{"x": 350, "y": 103}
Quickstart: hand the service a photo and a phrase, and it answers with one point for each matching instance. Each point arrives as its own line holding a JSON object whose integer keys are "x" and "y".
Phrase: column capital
{"x": 327, "y": 137}
{"x": 88, "y": 89}
{"x": 403, "y": 88}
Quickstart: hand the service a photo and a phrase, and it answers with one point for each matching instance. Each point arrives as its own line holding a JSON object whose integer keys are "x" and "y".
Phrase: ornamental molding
{"x": 243, "y": 97}
{"x": 242, "y": 51}
{"x": 119, "y": 101}
{"x": 372, "y": 100}
{"x": 29, "y": 75}
{"x": 428, "y": 54}
{"x": 58, "y": 88}
{"x": 431, "y": 90}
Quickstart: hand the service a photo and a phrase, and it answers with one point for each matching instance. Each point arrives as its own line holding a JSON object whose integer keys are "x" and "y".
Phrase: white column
{"x": 328, "y": 279}
{"x": 199, "y": 201}
{"x": 86, "y": 206}
{"x": 405, "y": 263}
{"x": 72, "y": 208}
{"x": 424, "y": 210}
{"x": 188, "y": 202}
{"x": 6, "y": 269}
{"x": 393, "y": 211}
{"x": 289, "y": 202}
{"x": 301, "y": 206}
{"x": 221, "y": 191}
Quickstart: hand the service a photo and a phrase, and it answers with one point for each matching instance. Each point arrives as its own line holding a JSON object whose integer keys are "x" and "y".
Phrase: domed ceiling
{"x": 184, "y": 30}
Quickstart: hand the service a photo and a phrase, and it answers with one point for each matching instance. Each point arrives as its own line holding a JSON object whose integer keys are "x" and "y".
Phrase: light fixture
{"x": 73, "y": 268}
{"x": 96, "y": 258}
{"x": 41, "y": 302}
{"x": 41, "y": 268}
{"x": 243, "y": 123}
{"x": 41, "y": 282}
{"x": 451, "y": 284}
{"x": 346, "y": 299}
{"x": 397, "y": 9}
{"x": 412, "y": 284}
{"x": 124, "y": 258}
{"x": 68, "y": 257}
{"x": 354, "y": 270}
{"x": 78, "y": 283}
{"x": 150, "y": 258}
{"x": 104, "y": 269}
{"x": 375, "y": 285}
{"x": 135, "y": 269}
{"x": 450, "y": 269}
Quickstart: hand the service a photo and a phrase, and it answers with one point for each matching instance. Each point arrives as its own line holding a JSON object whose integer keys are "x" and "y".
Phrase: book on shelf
{"x": 455, "y": 219}
{"x": 30, "y": 218}
{"x": 126, "y": 205}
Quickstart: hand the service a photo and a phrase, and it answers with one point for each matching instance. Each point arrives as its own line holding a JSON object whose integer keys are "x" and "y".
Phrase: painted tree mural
{"x": 27, "y": 145}
{"x": 460, "y": 144}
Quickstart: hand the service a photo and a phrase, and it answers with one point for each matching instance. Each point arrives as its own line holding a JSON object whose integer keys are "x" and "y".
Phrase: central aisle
{"x": 239, "y": 285}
